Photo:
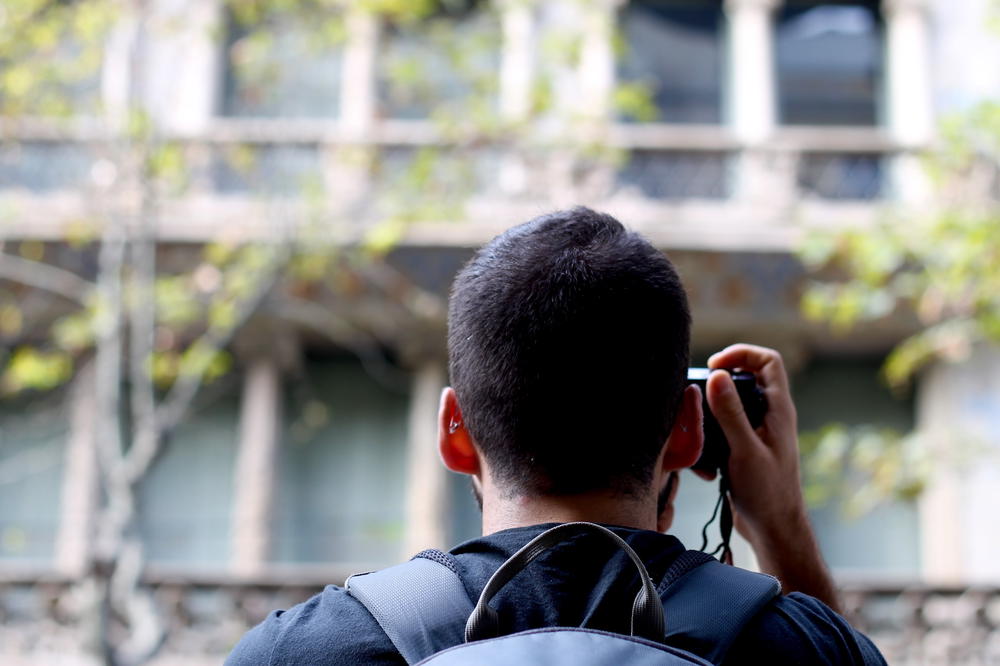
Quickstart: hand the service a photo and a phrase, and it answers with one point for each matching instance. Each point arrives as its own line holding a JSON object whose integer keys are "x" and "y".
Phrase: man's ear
{"x": 454, "y": 443}
{"x": 683, "y": 447}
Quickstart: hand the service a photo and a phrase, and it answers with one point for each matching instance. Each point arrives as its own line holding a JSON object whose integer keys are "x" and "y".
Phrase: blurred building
{"x": 773, "y": 118}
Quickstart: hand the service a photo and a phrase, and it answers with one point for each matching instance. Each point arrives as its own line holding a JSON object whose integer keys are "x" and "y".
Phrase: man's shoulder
{"x": 330, "y": 628}
{"x": 800, "y": 629}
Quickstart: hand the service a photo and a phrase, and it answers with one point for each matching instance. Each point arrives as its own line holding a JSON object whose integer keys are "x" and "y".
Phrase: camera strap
{"x": 724, "y": 505}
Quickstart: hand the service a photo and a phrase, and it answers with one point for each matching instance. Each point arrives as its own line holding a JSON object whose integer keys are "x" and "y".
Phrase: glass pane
{"x": 841, "y": 176}
{"x": 266, "y": 169}
{"x": 848, "y": 391}
{"x": 44, "y": 166}
{"x": 291, "y": 70}
{"x": 185, "y": 501}
{"x": 829, "y": 64}
{"x": 33, "y": 432}
{"x": 441, "y": 65}
{"x": 674, "y": 47}
{"x": 343, "y": 469}
{"x": 676, "y": 175}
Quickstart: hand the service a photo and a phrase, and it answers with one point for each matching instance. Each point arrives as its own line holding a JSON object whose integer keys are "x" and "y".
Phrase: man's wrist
{"x": 791, "y": 553}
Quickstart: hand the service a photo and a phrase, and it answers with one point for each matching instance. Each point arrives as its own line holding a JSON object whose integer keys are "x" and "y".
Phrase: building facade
{"x": 771, "y": 119}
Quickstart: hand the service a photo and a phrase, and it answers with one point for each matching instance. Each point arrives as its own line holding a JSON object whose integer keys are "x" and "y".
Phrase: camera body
{"x": 715, "y": 454}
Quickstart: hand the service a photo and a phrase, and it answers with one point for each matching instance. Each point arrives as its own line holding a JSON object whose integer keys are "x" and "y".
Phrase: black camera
{"x": 715, "y": 454}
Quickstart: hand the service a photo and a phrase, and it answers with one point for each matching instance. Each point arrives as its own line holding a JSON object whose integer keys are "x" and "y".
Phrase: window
{"x": 675, "y": 48}
{"x": 673, "y": 175}
{"x": 285, "y": 67}
{"x": 185, "y": 502}
{"x": 342, "y": 474}
{"x": 446, "y": 62}
{"x": 829, "y": 63}
{"x": 44, "y": 166}
{"x": 842, "y": 176}
{"x": 848, "y": 391}
{"x": 33, "y": 432}
{"x": 269, "y": 169}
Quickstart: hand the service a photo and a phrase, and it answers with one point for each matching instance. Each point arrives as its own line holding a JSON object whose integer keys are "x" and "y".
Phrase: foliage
{"x": 873, "y": 463}
{"x": 944, "y": 267}
{"x": 939, "y": 268}
{"x": 50, "y": 53}
{"x": 158, "y": 323}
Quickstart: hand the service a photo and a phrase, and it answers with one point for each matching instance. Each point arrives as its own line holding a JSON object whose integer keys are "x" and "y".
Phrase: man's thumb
{"x": 724, "y": 401}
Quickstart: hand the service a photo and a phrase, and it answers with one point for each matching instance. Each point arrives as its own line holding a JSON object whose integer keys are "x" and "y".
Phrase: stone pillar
{"x": 517, "y": 76}
{"x": 357, "y": 81}
{"x": 81, "y": 480}
{"x": 164, "y": 57}
{"x": 752, "y": 101}
{"x": 426, "y": 477}
{"x": 184, "y": 64}
{"x": 597, "y": 60}
{"x": 256, "y": 467}
{"x": 347, "y": 163}
{"x": 517, "y": 60}
{"x": 116, "y": 70}
{"x": 910, "y": 117}
{"x": 752, "y": 92}
{"x": 958, "y": 412}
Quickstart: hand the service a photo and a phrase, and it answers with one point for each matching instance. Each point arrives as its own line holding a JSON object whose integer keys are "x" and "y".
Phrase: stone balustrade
{"x": 41, "y": 618}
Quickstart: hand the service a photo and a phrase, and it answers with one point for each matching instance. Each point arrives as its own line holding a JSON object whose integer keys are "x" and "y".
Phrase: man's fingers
{"x": 763, "y": 362}
{"x": 725, "y": 404}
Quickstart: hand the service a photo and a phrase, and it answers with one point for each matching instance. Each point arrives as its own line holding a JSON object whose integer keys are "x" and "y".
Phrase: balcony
{"x": 205, "y": 615}
{"x": 687, "y": 186}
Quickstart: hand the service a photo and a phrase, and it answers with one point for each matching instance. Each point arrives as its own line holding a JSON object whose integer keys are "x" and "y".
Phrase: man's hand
{"x": 769, "y": 510}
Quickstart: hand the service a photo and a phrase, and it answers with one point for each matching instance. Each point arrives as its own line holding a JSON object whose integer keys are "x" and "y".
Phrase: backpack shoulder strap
{"x": 421, "y": 605}
{"x": 707, "y": 603}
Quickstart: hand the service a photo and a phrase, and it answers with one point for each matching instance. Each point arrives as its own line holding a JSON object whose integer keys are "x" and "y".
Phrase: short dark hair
{"x": 568, "y": 343}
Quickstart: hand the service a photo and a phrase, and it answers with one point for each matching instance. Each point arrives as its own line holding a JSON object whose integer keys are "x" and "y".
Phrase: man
{"x": 568, "y": 343}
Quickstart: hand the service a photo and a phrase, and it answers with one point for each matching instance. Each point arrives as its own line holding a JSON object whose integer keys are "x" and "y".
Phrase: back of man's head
{"x": 568, "y": 342}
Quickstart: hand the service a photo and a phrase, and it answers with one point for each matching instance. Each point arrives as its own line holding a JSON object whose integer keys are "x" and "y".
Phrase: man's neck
{"x": 506, "y": 512}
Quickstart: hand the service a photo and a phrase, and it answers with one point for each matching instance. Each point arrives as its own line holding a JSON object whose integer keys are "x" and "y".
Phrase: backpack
{"x": 693, "y": 617}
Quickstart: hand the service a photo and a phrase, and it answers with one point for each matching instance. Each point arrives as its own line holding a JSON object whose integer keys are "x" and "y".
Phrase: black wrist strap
{"x": 724, "y": 506}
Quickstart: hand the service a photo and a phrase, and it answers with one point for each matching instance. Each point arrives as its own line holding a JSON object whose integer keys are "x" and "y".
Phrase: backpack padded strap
{"x": 421, "y": 605}
{"x": 707, "y": 606}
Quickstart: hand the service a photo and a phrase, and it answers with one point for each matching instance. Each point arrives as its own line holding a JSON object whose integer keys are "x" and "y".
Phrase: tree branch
{"x": 338, "y": 326}
{"x": 47, "y": 277}
{"x": 178, "y": 400}
{"x": 142, "y": 327}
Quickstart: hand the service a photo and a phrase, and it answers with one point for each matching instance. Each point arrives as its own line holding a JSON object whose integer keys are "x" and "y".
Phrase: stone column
{"x": 185, "y": 66}
{"x": 358, "y": 80}
{"x": 347, "y": 164}
{"x": 761, "y": 175}
{"x": 910, "y": 117}
{"x": 426, "y": 477}
{"x": 958, "y": 412}
{"x": 597, "y": 59}
{"x": 517, "y": 60}
{"x": 752, "y": 92}
{"x": 517, "y": 76}
{"x": 165, "y": 58}
{"x": 81, "y": 480}
{"x": 256, "y": 467}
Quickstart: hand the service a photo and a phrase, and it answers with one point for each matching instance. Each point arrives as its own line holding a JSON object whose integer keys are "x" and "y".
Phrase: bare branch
{"x": 142, "y": 330}
{"x": 118, "y": 509}
{"x": 44, "y": 276}
{"x": 338, "y": 325}
{"x": 177, "y": 402}
{"x": 420, "y": 302}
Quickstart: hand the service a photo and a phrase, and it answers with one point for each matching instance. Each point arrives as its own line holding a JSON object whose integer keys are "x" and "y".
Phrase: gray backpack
{"x": 692, "y": 617}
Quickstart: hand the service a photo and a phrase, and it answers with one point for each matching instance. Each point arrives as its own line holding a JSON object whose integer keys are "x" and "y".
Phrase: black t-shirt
{"x": 585, "y": 581}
